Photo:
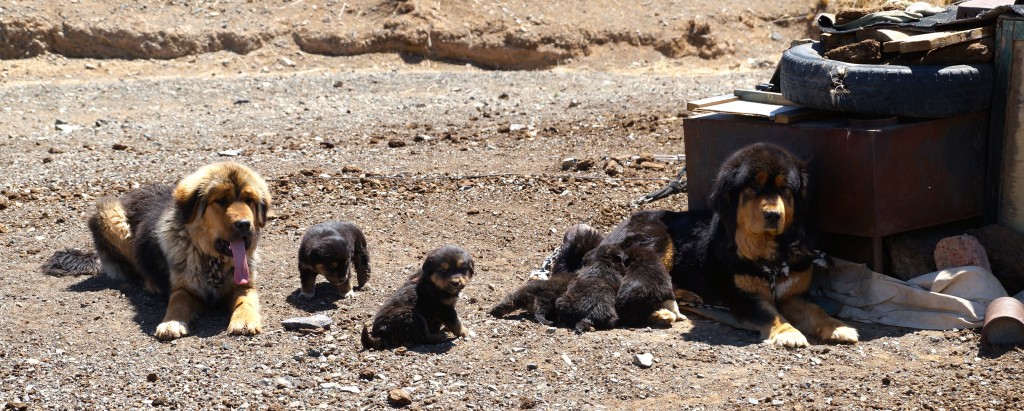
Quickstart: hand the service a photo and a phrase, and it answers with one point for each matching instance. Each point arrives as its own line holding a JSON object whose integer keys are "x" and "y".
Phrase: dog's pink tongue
{"x": 241, "y": 262}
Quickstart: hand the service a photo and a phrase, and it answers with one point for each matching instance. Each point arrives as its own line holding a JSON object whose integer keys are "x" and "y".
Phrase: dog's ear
{"x": 261, "y": 212}
{"x": 189, "y": 201}
{"x": 722, "y": 191}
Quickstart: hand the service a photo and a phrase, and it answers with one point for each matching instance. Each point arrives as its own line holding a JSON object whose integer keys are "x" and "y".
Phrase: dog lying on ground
{"x": 751, "y": 252}
{"x": 329, "y": 249}
{"x": 195, "y": 241}
{"x": 416, "y": 311}
{"x": 589, "y": 302}
{"x": 645, "y": 296}
{"x": 538, "y": 297}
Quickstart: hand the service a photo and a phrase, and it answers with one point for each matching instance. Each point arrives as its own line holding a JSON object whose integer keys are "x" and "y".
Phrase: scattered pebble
{"x": 312, "y": 322}
{"x": 229, "y": 153}
{"x": 645, "y": 360}
{"x": 399, "y": 397}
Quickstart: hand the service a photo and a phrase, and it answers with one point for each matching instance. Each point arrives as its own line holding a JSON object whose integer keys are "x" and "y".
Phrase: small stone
{"x": 585, "y": 164}
{"x": 286, "y": 62}
{"x": 4, "y": 202}
{"x": 55, "y": 150}
{"x": 119, "y": 147}
{"x": 645, "y": 360}
{"x": 329, "y": 385}
{"x": 326, "y": 144}
{"x": 152, "y": 377}
{"x": 396, "y": 143}
{"x": 230, "y": 153}
{"x": 352, "y": 168}
{"x": 420, "y": 138}
{"x": 312, "y": 322}
{"x": 565, "y": 358}
{"x": 531, "y": 366}
{"x": 313, "y": 352}
{"x": 3, "y": 228}
{"x": 159, "y": 402}
{"x": 349, "y": 388}
{"x": 516, "y": 127}
{"x": 551, "y": 330}
{"x": 339, "y": 84}
{"x": 776, "y": 36}
{"x": 574, "y": 103}
{"x": 569, "y": 163}
{"x": 281, "y": 382}
{"x": 399, "y": 397}
{"x": 367, "y": 375}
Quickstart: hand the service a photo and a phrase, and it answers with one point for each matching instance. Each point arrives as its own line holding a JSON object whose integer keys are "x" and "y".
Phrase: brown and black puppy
{"x": 589, "y": 302}
{"x": 194, "y": 241}
{"x": 416, "y": 311}
{"x": 538, "y": 297}
{"x": 645, "y": 296}
{"x": 329, "y": 249}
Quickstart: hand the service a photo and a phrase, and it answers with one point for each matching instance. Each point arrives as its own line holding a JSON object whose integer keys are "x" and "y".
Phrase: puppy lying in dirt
{"x": 589, "y": 302}
{"x": 329, "y": 249}
{"x": 538, "y": 297}
{"x": 418, "y": 309}
{"x": 645, "y": 296}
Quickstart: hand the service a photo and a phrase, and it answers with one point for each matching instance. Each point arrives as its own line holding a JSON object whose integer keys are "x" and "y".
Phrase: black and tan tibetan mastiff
{"x": 416, "y": 311}
{"x": 195, "y": 242}
{"x": 537, "y": 297}
{"x": 751, "y": 252}
{"x": 330, "y": 249}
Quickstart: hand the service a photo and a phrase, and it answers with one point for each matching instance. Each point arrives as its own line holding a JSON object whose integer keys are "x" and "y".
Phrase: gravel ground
{"x": 418, "y": 153}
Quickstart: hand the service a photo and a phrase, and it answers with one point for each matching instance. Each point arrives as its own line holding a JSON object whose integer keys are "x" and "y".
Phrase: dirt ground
{"x": 403, "y": 117}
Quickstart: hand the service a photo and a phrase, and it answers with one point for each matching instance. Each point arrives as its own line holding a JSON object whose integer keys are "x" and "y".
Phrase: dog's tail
{"x": 72, "y": 262}
{"x": 369, "y": 342}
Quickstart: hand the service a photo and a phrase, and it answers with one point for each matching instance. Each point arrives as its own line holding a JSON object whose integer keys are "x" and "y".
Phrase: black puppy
{"x": 645, "y": 296}
{"x": 418, "y": 309}
{"x": 538, "y": 297}
{"x": 328, "y": 249}
{"x": 589, "y": 303}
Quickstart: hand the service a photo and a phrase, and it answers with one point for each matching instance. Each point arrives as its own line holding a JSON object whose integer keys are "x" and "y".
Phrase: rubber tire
{"x": 808, "y": 79}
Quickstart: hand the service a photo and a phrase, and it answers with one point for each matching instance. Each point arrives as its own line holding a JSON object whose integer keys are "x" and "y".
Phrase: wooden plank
{"x": 931, "y": 41}
{"x": 883, "y": 35}
{"x": 766, "y": 97}
{"x": 1009, "y": 29}
{"x": 710, "y": 101}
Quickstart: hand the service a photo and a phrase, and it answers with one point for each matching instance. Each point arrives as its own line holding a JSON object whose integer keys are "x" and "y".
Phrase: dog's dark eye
{"x": 223, "y": 202}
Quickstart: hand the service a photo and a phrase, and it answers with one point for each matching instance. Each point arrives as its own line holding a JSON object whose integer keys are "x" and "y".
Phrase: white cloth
{"x": 947, "y": 299}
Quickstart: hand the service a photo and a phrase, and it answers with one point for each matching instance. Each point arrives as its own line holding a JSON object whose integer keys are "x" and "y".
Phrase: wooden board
{"x": 710, "y": 101}
{"x": 931, "y": 41}
{"x": 767, "y": 97}
{"x": 883, "y": 35}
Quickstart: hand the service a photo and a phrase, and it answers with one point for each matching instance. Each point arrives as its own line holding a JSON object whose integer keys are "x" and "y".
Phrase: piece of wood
{"x": 710, "y": 101}
{"x": 766, "y": 97}
{"x": 883, "y": 35}
{"x": 930, "y": 41}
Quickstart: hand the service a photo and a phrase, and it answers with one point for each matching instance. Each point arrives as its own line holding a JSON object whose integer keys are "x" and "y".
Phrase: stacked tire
{"x": 809, "y": 79}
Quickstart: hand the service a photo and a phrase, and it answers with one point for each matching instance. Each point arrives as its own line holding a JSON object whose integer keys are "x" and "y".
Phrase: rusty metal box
{"x": 868, "y": 178}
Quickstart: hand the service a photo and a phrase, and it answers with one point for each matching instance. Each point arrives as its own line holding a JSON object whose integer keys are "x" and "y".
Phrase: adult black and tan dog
{"x": 416, "y": 311}
{"x": 330, "y": 249}
{"x": 751, "y": 252}
{"x": 195, "y": 241}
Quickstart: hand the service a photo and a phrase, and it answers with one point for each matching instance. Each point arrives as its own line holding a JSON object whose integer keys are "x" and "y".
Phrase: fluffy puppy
{"x": 328, "y": 249}
{"x": 538, "y": 297}
{"x": 416, "y": 311}
{"x": 195, "y": 241}
{"x": 589, "y": 302}
{"x": 645, "y": 296}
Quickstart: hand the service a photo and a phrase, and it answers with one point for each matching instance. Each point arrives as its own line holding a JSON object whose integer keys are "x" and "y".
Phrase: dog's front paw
{"x": 171, "y": 330}
{"x": 844, "y": 334}
{"x": 663, "y": 317}
{"x": 467, "y": 333}
{"x": 787, "y": 336}
{"x": 245, "y": 326}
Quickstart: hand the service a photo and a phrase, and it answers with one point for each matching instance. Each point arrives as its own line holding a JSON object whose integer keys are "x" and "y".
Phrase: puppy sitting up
{"x": 538, "y": 297}
{"x": 589, "y": 303}
{"x": 328, "y": 249}
{"x": 645, "y": 296}
{"x": 418, "y": 309}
